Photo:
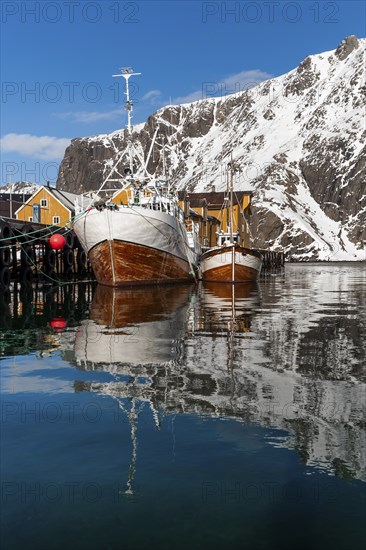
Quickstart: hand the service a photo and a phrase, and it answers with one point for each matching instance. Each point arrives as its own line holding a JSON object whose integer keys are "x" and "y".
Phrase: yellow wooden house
{"x": 49, "y": 206}
{"x": 210, "y": 211}
{"x": 215, "y": 205}
{"x": 126, "y": 194}
{"x": 196, "y": 209}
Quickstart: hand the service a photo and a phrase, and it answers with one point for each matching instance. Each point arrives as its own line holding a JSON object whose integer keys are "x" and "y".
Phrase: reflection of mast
{"x": 232, "y": 326}
{"x": 132, "y": 416}
{"x": 126, "y": 73}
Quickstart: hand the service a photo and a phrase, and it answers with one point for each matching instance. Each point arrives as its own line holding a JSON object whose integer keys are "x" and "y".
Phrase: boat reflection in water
{"x": 209, "y": 352}
{"x": 132, "y": 327}
{"x": 133, "y": 335}
{"x": 139, "y": 336}
{"x": 228, "y": 307}
{"x": 137, "y": 331}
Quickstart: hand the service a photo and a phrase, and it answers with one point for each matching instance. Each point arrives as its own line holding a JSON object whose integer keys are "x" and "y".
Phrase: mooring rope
{"x": 44, "y": 231}
{"x": 39, "y": 270}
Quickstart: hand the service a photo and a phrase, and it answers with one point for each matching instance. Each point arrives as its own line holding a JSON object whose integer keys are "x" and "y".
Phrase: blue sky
{"x": 58, "y": 57}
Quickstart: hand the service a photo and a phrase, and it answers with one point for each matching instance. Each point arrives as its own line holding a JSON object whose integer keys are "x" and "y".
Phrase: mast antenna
{"x": 126, "y": 73}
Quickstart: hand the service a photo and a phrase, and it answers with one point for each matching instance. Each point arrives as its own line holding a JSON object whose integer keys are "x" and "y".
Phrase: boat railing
{"x": 140, "y": 198}
{"x": 157, "y": 202}
{"x": 225, "y": 238}
{"x": 193, "y": 236}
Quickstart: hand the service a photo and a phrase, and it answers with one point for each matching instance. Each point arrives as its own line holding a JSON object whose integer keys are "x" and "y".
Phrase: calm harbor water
{"x": 213, "y": 417}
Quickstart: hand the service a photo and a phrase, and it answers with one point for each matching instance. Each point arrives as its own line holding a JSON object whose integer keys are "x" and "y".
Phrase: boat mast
{"x": 164, "y": 160}
{"x": 126, "y": 73}
{"x": 232, "y": 167}
{"x": 231, "y": 170}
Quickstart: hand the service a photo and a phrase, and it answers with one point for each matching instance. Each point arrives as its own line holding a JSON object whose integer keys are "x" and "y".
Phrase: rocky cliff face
{"x": 300, "y": 142}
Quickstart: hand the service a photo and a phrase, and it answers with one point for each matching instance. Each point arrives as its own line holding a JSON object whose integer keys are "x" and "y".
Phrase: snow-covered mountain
{"x": 20, "y": 188}
{"x": 300, "y": 142}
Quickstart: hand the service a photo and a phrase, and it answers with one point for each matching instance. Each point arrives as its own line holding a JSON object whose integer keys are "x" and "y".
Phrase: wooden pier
{"x": 26, "y": 256}
{"x": 272, "y": 260}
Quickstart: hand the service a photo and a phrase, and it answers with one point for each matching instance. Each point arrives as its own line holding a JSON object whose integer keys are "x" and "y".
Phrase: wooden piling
{"x": 272, "y": 260}
{"x": 26, "y": 256}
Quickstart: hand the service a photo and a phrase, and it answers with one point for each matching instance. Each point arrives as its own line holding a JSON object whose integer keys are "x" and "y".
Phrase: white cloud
{"x": 152, "y": 95}
{"x": 42, "y": 147}
{"x": 231, "y": 84}
{"x": 90, "y": 116}
{"x": 246, "y": 78}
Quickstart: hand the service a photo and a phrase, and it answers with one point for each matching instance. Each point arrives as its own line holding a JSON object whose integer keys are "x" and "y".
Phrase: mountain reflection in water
{"x": 284, "y": 354}
{"x": 186, "y": 416}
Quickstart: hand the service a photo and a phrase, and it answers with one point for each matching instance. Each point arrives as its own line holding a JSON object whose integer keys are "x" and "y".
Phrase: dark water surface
{"x": 186, "y": 417}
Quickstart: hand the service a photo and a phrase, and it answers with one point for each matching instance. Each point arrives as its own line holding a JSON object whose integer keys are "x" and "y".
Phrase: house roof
{"x": 65, "y": 198}
{"x": 197, "y": 203}
{"x": 213, "y": 199}
{"x": 194, "y": 214}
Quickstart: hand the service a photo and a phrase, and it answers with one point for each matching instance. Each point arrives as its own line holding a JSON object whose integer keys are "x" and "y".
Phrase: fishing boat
{"x": 142, "y": 240}
{"x": 229, "y": 261}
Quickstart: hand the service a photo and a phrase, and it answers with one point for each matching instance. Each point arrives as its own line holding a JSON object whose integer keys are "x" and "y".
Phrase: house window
{"x": 30, "y": 219}
{"x": 44, "y": 203}
{"x": 55, "y": 219}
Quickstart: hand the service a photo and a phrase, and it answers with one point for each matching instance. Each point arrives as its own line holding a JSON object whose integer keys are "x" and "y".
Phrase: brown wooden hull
{"x": 224, "y": 274}
{"x": 119, "y": 263}
{"x": 121, "y": 307}
{"x": 217, "y": 265}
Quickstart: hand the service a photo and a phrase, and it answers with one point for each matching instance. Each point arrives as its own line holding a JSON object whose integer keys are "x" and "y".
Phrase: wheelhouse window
{"x": 55, "y": 219}
{"x": 44, "y": 203}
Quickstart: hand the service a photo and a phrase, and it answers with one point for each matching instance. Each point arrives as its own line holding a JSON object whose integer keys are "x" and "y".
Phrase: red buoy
{"x": 58, "y": 323}
{"x": 57, "y": 241}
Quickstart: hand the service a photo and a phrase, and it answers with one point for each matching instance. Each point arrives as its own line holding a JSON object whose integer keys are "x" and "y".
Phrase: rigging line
{"x": 44, "y": 230}
{"x": 65, "y": 221}
{"x": 17, "y": 237}
{"x": 119, "y": 157}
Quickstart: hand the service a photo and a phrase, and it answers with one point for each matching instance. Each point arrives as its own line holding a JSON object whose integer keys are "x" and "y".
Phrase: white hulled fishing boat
{"x": 230, "y": 261}
{"x": 143, "y": 240}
